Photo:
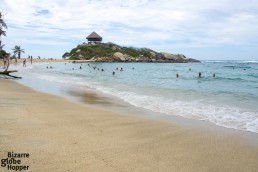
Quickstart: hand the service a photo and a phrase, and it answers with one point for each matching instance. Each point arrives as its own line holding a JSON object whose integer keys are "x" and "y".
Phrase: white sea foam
{"x": 230, "y": 117}
{"x": 250, "y": 61}
{"x": 226, "y": 116}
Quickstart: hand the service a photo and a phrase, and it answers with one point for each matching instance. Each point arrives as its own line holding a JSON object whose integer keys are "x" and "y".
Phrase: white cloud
{"x": 171, "y": 23}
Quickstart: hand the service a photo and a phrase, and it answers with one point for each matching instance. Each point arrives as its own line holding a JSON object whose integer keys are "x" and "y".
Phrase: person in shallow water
{"x": 214, "y": 75}
{"x": 113, "y": 73}
{"x": 177, "y": 75}
{"x": 24, "y": 63}
{"x": 200, "y": 75}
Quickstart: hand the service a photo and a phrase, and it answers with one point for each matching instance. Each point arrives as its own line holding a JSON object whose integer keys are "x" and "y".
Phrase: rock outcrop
{"x": 110, "y": 52}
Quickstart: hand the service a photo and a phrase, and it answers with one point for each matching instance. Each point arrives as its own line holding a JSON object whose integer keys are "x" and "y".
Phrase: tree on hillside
{"x": 65, "y": 55}
{"x": 17, "y": 50}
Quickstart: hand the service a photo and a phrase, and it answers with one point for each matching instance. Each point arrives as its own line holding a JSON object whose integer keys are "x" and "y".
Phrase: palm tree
{"x": 2, "y": 23}
{"x": 17, "y": 50}
{"x": 2, "y": 32}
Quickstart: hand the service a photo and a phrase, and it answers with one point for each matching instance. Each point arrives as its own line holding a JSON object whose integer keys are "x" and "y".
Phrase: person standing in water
{"x": 200, "y": 75}
{"x": 24, "y": 63}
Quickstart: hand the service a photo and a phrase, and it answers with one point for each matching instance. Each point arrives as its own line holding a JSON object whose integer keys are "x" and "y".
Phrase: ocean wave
{"x": 226, "y": 116}
{"x": 230, "y": 61}
{"x": 250, "y": 61}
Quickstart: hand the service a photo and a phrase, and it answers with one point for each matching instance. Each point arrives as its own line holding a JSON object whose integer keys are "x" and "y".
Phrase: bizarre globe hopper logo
{"x": 14, "y": 161}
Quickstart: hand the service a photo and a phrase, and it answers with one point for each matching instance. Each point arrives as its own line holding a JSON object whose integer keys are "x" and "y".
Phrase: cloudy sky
{"x": 201, "y": 29}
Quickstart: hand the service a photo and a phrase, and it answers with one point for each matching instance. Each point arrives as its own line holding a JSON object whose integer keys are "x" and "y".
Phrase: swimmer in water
{"x": 200, "y": 75}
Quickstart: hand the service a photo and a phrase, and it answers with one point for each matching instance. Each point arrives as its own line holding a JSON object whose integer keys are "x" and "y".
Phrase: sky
{"x": 200, "y": 29}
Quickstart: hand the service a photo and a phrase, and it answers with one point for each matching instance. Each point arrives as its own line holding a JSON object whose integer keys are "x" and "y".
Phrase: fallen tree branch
{"x": 7, "y": 73}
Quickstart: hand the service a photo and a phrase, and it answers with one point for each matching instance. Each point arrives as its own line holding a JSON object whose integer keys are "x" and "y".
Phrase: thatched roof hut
{"x": 94, "y": 37}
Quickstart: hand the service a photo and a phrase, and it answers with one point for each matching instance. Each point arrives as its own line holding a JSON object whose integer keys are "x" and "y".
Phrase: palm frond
{"x": 2, "y": 23}
{"x": 2, "y": 32}
{"x": 17, "y": 49}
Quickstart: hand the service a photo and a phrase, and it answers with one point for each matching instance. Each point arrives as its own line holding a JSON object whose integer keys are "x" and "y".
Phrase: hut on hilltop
{"x": 94, "y": 37}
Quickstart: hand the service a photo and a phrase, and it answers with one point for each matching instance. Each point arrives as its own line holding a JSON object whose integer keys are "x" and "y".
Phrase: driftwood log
{"x": 7, "y": 73}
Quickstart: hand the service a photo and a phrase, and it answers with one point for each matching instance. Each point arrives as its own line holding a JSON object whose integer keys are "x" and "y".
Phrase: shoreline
{"x": 100, "y": 99}
{"x": 61, "y": 135}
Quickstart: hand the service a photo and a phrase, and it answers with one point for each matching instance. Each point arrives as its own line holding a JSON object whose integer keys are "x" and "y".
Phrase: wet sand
{"x": 61, "y": 135}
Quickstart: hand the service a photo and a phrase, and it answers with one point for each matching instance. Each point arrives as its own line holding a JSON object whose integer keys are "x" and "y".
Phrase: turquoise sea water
{"x": 229, "y": 99}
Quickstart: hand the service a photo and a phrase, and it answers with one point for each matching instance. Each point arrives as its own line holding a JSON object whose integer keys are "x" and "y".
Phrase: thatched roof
{"x": 93, "y": 35}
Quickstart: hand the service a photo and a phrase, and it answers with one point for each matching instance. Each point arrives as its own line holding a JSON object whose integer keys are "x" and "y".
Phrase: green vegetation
{"x": 136, "y": 52}
{"x": 88, "y": 51}
{"x": 66, "y": 54}
{"x": 110, "y": 52}
{"x": 17, "y": 50}
{"x": 3, "y": 53}
{"x": 2, "y": 32}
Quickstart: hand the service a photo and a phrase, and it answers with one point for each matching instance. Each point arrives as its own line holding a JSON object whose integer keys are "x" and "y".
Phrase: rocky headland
{"x": 110, "y": 52}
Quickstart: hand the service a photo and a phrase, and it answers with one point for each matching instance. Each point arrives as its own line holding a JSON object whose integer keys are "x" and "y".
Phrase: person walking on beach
{"x": 24, "y": 63}
{"x": 30, "y": 59}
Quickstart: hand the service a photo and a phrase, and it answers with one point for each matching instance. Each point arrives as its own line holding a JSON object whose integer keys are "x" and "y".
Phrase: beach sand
{"x": 28, "y": 62}
{"x": 61, "y": 135}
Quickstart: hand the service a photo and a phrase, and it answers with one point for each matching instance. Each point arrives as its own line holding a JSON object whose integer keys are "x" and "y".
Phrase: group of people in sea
{"x": 122, "y": 69}
{"x": 102, "y": 70}
{"x": 24, "y": 60}
{"x": 199, "y": 74}
{"x": 50, "y": 67}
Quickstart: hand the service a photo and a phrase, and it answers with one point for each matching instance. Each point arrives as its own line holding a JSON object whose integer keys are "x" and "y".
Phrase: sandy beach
{"x": 60, "y": 135}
